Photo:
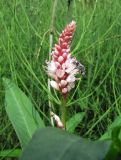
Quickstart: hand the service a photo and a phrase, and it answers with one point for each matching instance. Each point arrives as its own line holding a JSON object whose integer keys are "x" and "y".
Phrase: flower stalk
{"x": 63, "y": 111}
{"x": 50, "y": 50}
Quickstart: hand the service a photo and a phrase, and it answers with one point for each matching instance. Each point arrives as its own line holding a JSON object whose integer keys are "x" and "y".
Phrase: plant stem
{"x": 50, "y": 49}
{"x": 63, "y": 111}
{"x": 69, "y": 11}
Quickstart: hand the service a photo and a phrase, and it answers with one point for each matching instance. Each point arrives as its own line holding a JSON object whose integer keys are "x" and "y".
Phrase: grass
{"x": 24, "y": 48}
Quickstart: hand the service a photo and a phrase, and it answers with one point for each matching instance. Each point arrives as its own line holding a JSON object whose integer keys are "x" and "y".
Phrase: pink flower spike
{"x": 63, "y": 68}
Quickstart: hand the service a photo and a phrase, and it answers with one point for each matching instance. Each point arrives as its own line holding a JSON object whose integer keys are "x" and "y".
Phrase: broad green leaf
{"x": 116, "y": 138}
{"x": 115, "y": 149}
{"x": 10, "y": 153}
{"x": 107, "y": 134}
{"x": 73, "y": 122}
{"x": 23, "y": 116}
{"x": 114, "y": 133}
{"x": 56, "y": 144}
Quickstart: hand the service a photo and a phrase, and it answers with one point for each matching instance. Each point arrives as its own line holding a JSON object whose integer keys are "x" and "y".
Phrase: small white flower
{"x": 64, "y": 90}
{"x": 70, "y": 79}
{"x": 54, "y": 84}
{"x": 70, "y": 86}
{"x": 51, "y": 68}
{"x": 60, "y": 73}
{"x": 63, "y": 83}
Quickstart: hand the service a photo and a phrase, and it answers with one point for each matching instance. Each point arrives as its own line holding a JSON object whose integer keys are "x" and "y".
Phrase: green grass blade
{"x": 107, "y": 134}
{"x": 10, "y": 153}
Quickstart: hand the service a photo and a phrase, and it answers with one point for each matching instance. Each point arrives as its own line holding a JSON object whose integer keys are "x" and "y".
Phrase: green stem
{"x": 50, "y": 50}
{"x": 63, "y": 111}
{"x": 69, "y": 11}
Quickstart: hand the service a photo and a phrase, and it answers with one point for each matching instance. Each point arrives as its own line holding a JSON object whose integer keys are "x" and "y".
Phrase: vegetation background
{"x": 24, "y": 48}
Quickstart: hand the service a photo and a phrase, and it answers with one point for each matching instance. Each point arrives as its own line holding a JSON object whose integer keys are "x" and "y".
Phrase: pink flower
{"x": 63, "y": 68}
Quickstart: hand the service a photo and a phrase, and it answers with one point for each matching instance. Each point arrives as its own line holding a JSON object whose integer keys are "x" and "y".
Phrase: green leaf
{"x": 23, "y": 116}
{"x": 10, "y": 153}
{"x": 116, "y": 138}
{"x": 56, "y": 144}
{"x": 73, "y": 122}
{"x": 115, "y": 149}
{"x": 114, "y": 133}
{"x": 107, "y": 134}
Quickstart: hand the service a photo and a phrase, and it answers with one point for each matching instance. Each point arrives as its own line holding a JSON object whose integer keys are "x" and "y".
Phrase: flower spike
{"x": 63, "y": 68}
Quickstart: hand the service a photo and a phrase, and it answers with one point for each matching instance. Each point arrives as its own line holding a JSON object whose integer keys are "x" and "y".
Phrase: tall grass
{"x": 24, "y": 48}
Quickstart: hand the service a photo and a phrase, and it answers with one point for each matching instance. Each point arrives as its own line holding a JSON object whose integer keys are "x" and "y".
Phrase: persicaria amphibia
{"x": 63, "y": 68}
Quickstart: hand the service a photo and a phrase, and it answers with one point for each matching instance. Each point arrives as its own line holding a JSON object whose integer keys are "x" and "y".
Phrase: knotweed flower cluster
{"x": 63, "y": 68}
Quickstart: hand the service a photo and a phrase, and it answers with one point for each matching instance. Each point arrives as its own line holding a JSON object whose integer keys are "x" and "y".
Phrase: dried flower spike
{"x": 63, "y": 68}
{"x": 57, "y": 121}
